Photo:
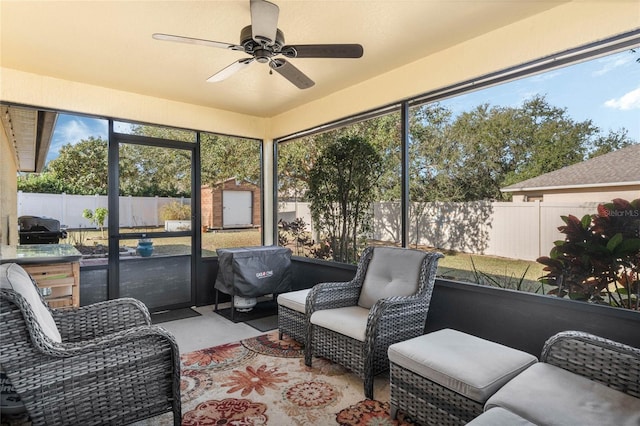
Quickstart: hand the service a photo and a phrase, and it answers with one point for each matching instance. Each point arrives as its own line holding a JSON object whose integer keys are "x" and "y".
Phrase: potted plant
{"x": 145, "y": 246}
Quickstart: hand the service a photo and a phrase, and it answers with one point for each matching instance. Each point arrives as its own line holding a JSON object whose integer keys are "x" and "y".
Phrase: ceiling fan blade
{"x": 264, "y": 21}
{"x": 190, "y": 40}
{"x": 227, "y": 72}
{"x": 323, "y": 51}
{"x": 291, "y": 73}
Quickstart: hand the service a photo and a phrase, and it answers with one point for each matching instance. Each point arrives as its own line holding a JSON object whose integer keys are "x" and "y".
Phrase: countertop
{"x": 39, "y": 253}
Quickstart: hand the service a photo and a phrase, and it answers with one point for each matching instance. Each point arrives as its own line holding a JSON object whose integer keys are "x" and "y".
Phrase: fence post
{"x": 538, "y": 211}
{"x": 63, "y": 209}
{"x": 20, "y": 201}
{"x": 130, "y": 217}
{"x": 156, "y": 216}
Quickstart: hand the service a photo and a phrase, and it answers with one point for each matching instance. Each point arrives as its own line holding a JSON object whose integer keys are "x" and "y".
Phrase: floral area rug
{"x": 263, "y": 381}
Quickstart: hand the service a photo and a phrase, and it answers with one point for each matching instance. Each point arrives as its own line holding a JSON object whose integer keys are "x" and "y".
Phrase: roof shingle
{"x": 617, "y": 167}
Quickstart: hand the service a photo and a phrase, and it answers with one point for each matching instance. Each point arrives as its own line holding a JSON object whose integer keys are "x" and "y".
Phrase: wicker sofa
{"x": 581, "y": 379}
{"x": 99, "y": 364}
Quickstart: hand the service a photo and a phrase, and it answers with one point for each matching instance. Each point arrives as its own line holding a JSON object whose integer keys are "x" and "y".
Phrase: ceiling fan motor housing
{"x": 261, "y": 50}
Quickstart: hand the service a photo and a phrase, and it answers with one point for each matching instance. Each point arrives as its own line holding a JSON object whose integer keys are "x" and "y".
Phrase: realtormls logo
{"x": 264, "y": 274}
{"x": 603, "y": 211}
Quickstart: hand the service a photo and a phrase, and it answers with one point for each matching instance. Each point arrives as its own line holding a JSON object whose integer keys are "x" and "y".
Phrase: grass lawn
{"x": 174, "y": 246}
{"x": 506, "y": 272}
{"x": 497, "y": 271}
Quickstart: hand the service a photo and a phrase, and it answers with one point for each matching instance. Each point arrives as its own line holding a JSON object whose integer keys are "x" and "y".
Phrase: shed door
{"x": 236, "y": 209}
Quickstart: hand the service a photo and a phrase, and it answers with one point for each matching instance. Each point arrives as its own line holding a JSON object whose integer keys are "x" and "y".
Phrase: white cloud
{"x": 611, "y": 63}
{"x": 540, "y": 78}
{"x": 72, "y": 129}
{"x": 628, "y": 101}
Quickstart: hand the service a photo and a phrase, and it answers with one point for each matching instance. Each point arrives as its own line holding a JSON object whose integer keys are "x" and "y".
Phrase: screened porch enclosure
{"x": 249, "y": 131}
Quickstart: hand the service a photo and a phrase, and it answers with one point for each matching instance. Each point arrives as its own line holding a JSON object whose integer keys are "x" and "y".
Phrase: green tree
{"x": 471, "y": 156}
{"x": 342, "y": 186}
{"x": 295, "y": 160}
{"x": 44, "y": 183}
{"x": 81, "y": 168}
{"x": 226, "y": 157}
{"x": 434, "y": 155}
{"x": 161, "y": 132}
{"x": 154, "y": 171}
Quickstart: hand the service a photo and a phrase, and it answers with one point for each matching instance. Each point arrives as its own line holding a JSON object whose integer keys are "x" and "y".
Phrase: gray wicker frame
{"x": 292, "y": 323}
{"x": 610, "y": 363}
{"x": 390, "y": 320}
{"x": 602, "y": 360}
{"x": 112, "y": 367}
{"x": 427, "y": 402}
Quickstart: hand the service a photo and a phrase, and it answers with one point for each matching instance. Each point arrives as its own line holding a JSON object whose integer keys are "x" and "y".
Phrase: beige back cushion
{"x": 13, "y": 277}
{"x": 391, "y": 272}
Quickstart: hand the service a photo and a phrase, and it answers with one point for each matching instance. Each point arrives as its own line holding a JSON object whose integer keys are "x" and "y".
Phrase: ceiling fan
{"x": 264, "y": 41}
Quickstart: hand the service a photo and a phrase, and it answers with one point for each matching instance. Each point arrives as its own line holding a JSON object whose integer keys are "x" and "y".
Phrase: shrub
{"x": 599, "y": 259}
{"x": 175, "y": 211}
{"x": 98, "y": 217}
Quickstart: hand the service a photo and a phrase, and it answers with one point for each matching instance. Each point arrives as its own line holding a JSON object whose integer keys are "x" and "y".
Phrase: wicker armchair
{"x": 353, "y": 323}
{"x": 99, "y": 364}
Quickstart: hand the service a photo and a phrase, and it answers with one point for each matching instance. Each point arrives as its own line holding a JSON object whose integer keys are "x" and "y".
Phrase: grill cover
{"x": 254, "y": 271}
{"x": 35, "y": 223}
{"x": 39, "y": 230}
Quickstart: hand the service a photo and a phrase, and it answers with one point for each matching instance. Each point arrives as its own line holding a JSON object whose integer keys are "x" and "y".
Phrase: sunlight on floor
{"x": 207, "y": 330}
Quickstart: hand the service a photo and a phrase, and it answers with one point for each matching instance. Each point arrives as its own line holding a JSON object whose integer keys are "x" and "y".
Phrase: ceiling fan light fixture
{"x": 262, "y": 55}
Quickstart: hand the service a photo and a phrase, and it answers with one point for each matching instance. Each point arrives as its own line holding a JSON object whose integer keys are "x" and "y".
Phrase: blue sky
{"x": 605, "y": 90}
{"x": 71, "y": 129}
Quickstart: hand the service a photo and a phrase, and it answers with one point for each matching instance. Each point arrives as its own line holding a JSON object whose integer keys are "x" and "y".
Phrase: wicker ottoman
{"x": 445, "y": 377}
{"x": 291, "y": 315}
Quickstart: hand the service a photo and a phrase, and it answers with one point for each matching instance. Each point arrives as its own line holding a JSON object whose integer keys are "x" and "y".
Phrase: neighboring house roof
{"x": 621, "y": 167}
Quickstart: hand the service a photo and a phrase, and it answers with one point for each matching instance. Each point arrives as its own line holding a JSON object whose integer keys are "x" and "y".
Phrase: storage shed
{"x": 230, "y": 204}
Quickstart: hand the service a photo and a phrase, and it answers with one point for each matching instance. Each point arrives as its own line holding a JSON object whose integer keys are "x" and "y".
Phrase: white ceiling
{"x": 109, "y": 44}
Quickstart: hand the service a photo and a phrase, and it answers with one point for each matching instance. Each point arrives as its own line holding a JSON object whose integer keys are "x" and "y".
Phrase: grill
{"x": 40, "y": 230}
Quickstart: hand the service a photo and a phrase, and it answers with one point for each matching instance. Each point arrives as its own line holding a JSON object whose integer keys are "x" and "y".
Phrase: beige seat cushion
{"x": 499, "y": 417}
{"x": 548, "y": 395}
{"x": 13, "y": 277}
{"x": 295, "y": 300}
{"x": 391, "y": 272}
{"x": 466, "y": 364}
{"x": 350, "y": 321}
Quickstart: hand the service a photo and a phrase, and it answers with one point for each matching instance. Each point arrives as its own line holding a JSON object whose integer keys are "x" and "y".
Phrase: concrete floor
{"x": 207, "y": 330}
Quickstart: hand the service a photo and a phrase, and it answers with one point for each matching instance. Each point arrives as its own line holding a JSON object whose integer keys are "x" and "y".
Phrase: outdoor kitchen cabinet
{"x": 54, "y": 267}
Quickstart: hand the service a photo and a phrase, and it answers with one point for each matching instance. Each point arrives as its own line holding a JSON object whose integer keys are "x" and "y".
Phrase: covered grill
{"x": 40, "y": 230}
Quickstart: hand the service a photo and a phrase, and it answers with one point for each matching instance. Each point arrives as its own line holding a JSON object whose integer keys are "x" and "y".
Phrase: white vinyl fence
{"x": 524, "y": 230}
{"x": 517, "y": 230}
{"x": 513, "y": 230}
{"x": 134, "y": 211}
